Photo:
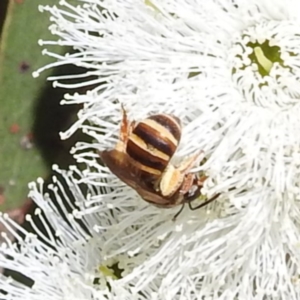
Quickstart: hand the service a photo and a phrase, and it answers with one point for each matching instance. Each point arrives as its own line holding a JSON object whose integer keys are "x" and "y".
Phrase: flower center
{"x": 265, "y": 64}
{"x": 264, "y": 56}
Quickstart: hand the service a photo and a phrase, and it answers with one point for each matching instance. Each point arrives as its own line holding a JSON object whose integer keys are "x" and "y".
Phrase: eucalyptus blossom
{"x": 230, "y": 71}
{"x": 63, "y": 257}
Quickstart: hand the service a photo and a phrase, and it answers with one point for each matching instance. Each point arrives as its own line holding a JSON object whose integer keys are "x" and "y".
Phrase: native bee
{"x": 142, "y": 157}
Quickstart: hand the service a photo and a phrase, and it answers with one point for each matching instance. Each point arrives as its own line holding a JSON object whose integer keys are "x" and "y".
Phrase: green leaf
{"x": 20, "y": 55}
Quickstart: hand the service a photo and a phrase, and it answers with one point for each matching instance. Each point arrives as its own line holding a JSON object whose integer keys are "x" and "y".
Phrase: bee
{"x": 141, "y": 159}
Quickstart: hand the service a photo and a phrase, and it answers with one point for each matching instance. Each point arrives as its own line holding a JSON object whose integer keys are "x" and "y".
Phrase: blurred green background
{"x": 30, "y": 114}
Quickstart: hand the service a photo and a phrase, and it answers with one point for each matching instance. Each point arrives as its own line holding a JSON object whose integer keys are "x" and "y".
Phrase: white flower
{"x": 230, "y": 71}
{"x": 65, "y": 258}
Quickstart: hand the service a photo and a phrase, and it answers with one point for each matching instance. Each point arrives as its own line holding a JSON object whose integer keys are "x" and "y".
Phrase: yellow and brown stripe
{"x": 154, "y": 141}
{"x": 169, "y": 122}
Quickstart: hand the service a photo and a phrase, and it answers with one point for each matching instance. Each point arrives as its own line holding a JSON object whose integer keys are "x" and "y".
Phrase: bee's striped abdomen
{"x": 153, "y": 142}
{"x": 169, "y": 122}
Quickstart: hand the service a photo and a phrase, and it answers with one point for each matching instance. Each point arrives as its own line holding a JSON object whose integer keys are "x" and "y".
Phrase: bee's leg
{"x": 204, "y": 203}
{"x": 188, "y": 182}
{"x": 178, "y": 213}
{"x": 125, "y": 131}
